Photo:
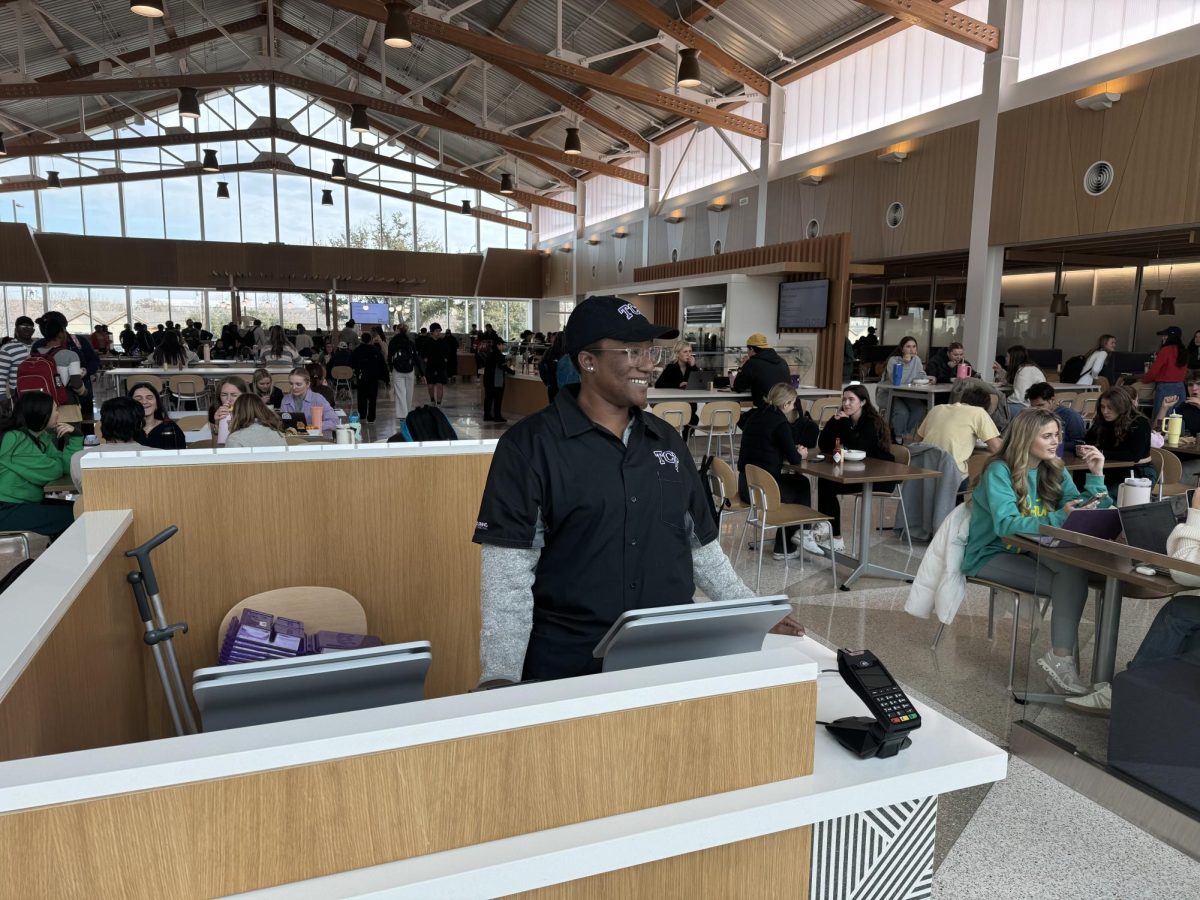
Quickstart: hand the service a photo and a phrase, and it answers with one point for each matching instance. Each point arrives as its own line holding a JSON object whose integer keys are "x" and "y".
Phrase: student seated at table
{"x": 263, "y": 386}
{"x": 1122, "y": 433}
{"x": 254, "y": 424}
{"x": 943, "y": 365}
{"x": 770, "y": 436}
{"x": 172, "y": 353}
{"x": 160, "y": 430}
{"x": 1020, "y": 373}
{"x": 227, "y": 344}
{"x": 1175, "y": 631}
{"x": 859, "y": 426}
{"x": 955, "y": 427}
{"x": 1189, "y": 409}
{"x": 278, "y": 351}
{"x": 35, "y": 450}
{"x": 1021, "y": 489}
{"x": 301, "y": 398}
{"x": 316, "y": 375}
{"x": 1097, "y": 362}
{"x": 228, "y": 390}
{"x": 120, "y": 425}
{"x": 906, "y": 412}
{"x": 1041, "y": 396}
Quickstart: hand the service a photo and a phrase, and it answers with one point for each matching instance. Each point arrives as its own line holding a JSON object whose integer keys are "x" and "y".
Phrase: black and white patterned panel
{"x": 881, "y": 854}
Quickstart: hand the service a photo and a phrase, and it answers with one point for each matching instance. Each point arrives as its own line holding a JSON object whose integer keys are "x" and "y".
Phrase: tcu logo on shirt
{"x": 667, "y": 458}
{"x": 629, "y": 311}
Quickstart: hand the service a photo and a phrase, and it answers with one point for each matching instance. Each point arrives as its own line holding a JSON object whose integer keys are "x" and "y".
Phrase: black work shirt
{"x": 614, "y": 524}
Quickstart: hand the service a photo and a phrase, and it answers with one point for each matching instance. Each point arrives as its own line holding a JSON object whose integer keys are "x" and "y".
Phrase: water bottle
{"x": 964, "y": 371}
{"x": 897, "y": 373}
{"x": 356, "y": 427}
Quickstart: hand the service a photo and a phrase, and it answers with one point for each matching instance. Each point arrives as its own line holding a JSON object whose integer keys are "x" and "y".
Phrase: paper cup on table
{"x": 343, "y": 435}
{"x": 1133, "y": 492}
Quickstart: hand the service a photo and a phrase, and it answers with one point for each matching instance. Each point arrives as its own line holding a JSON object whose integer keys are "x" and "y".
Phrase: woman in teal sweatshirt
{"x": 30, "y": 459}
{"x": 1021, "y": 489}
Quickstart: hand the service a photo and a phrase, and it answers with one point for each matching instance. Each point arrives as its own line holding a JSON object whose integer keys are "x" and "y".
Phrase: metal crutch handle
{"x": 142, "y": 555}
{"x": 150, "y": 636}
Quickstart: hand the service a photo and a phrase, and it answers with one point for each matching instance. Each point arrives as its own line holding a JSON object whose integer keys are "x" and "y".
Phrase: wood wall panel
{"x": 85, "y": 687}
{"x": 556, "y": 272}
{"x": 221, "y": 837}
{"x": 510, "y": 273}
{"x": 20, "y": 259}
{"x": 773, "y": 867}
{"x": 399, "y": 540}
{"x": 666, "y": 309}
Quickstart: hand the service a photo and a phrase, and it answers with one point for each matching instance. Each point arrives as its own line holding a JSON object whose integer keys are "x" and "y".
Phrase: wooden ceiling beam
{"x": 690, "y": 37}
{"x": 1073, "y": 258}
{"x": 940, "y": 19}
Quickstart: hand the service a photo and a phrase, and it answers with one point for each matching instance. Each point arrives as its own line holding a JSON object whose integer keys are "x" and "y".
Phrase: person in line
{"x": 254, "y": 424}
{"x": 370, "y": 368}
{"x": 226, "y": 346}
{"x": 121, "y": 421}
{"x": 145, "y": 343}
{"x": 769, "y": 439}
{"x": 278, "y": 350}
{"x": 159, "y": 430}
{"x": 1175, "y": 631}
{"x": 1121, "y": 433}
{"x": 53, "y": 322}
{"x": 956, "y": 427}
{"x": 262, "y": 386}
{"x": 172, "y": 353}
{"x": 859, "y": 426}
{"x": 867, "y": 341}
{"x": 1041, "y": 396}
{"x": 101, "y": 339}
{"x": 14, "y": 353}
{"x": 316, "y": 375}
{"x": 228, "y": 390}
{"x": 906, "y": 413}
{"x": 1098, "y": 360}
{"x": 35, "y": 450}
{"x": 1021, "y": 489}
{"x": 943, "y": 365}
{"x": 128, "y": 340}
{"x": 302, "y": 399}
{"x": 546, "y": 531}
{"x": 303, "y": 341}
{"x": 436, "y": 355}
{"x": 349, "y": 334}
{"x": 761, "y": 370}
{"x": 54, "y": 344}
{"x": 1169, "y": 368}
{"x": 1020, "y": 373}
{"x": 495, "y": 368}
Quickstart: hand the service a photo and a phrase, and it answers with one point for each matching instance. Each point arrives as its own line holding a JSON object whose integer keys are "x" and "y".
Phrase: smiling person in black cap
{"x": 592, "y": 508}
{"x": 1169, "y": 369}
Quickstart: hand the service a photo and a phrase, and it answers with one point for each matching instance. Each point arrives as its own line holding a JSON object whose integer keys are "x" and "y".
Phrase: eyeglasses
{"x": 635, "y": 354}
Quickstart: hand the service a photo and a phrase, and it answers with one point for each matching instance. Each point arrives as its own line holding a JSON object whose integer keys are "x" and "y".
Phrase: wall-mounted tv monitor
{"x": 369, "y": 313}
{"x": 804, "y": 304}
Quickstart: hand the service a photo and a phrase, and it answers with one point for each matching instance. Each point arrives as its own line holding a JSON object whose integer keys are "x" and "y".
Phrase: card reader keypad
{"x": 894, "y": 705}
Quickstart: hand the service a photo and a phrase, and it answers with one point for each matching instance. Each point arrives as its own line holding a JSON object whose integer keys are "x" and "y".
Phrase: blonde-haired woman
{"x": 254, "y": 424}
{"x": 1022, "y": 488}
{"x": 683, "y": 363}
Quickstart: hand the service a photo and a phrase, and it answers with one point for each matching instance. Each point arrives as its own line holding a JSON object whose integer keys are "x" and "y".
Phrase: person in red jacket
{"x": 1169, "y": 369}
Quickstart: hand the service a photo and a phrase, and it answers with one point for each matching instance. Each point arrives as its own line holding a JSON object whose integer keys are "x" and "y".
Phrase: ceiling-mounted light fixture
{"x": 210, "y": 163}
{"x": 338, "y": 172}
{"x": 151, "y": 9}
{"x": 1153, "y": 300}
{"x": 466, "y": 207}
{"x": 1058, "y": 304}
{"x": 892, "y": 156}
{"x": 327, "y": 197}
{"x": 222, "y": 190}
{"x": 810, "y": 178}
{"x": 1168, "y": 307}
{"x": 689, "y": 68}
{"x": 621, "y": 233}
{"x": 1098, "y": 102}
{"x": 506, "y": 184}
{"x": 358, "y": 119}
{"x": 594, "y": 240}
{"x": 675, "y": 218}
{"x": 3, "y": 152}
{"x": 572, "y": 146}
{"x": 189, "y": 106}
{"x": 396, "y": 32}
{"x": 565, "y": 248}
{"x": 52, "y": 180}
{"x": 718, "y": 205}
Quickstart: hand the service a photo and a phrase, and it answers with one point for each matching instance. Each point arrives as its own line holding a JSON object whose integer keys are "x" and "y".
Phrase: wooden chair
{"x": 723, "y": 483}
{"x": 718, "y": 419}
{"x": 823, "y": 409}
{"x": 975, "y": 463}
{"x": 1170, "y": 473}
{"x": 187, "y": 389}
{"x": 281, "y": 381}
{"x": 192, "y": 423}
{"x": 1068, "y": 398}
{"x": 675, "y": 412}
{"x": 339, "y": 378}
{"x": 1088, "y": 408}
{"x": 153, "y": 380}
{"x": 319, "y": 608}
{"x": 768, "y": 511}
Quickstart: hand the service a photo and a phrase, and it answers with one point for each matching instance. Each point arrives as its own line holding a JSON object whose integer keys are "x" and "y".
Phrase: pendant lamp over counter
{"x": 338, "y": 172}
{"x": 327, "y": 198}
{"x": 189, "y": 105}
{"x": 396, "y": 32}
{"x": 1168, "y": 306}
{"x": 358, "y": 119}
{"x": 466, "y": 207}
{"x": 1153, "y": 301}
{"x": 506, "y": 184}
{"x": 52, "y": 180}
{"x": 210, "y": 163}
{"x": 222, "y": 190}
{"x": 572, "y": 146}
{"x": 1058, "y": 304}
{"x": 689, "y": 68}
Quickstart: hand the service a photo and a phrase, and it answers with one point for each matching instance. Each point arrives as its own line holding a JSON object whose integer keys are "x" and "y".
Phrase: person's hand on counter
{"x": 790, "y": 626}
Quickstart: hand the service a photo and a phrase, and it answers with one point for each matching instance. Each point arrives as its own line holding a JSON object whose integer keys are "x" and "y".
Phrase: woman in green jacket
{"x": 31, "y": 458}
{"x": 1021, "y": 489}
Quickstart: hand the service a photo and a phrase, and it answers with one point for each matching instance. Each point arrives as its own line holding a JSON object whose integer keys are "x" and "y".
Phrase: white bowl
{"x": 854, "y": 455}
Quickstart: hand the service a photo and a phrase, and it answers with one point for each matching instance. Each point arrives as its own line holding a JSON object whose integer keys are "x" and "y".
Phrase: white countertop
{"x": 661, "y": 395}
{"x": 944, "y": 757}
{"x": 36, "y": 602}
{"x": 123, "y": 459}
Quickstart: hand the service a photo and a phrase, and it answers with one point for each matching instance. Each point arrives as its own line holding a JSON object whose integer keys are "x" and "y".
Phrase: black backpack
{"x": 428, "y": 423}
{"x": 404, "y": 358}
{"x": 1072, "y": 369}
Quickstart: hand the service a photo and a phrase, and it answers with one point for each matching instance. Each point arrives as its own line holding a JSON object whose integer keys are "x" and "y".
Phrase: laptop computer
{"x": 697, "y": 380}
{"x": 1098, "y": 523}
{"x": 295, "y": 420}
{"x": 1148, "y": 525}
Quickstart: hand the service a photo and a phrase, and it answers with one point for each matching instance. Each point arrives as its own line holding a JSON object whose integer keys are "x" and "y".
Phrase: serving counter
{"x": 524, "y": 395}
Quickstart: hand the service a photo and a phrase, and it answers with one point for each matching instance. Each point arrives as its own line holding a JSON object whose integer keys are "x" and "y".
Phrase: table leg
{"x": 863, "y": 565}
{"x": 1104, "y": 655}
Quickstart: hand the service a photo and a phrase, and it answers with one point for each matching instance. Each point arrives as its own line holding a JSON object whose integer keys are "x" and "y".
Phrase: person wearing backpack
{"x": 55, "y": 369}
{"x": 82, "y": 348}
{"x": 405, "y": 366}
{"x": 370, "y": 368}
{"x": 35, "y": 449}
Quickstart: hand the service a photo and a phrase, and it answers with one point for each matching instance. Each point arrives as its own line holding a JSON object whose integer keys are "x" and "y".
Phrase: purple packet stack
{"x": 329, "y": 641}
{"x": 257, "y": 636}
{"x": 289, "y": 636}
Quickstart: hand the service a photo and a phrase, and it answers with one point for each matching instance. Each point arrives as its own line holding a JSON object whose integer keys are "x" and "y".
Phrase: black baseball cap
{"x": 23, "y": 322}
{"x": 1171, "y": 331}
{"x": 597, "y": 318}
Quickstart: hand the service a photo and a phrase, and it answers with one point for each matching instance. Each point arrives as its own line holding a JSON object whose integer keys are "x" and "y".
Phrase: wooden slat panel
{"x": 220, "y": 837}
{"x": 510, "y": 273}
{"x": 666, "y": 310}
{"x": 20, "y": 260}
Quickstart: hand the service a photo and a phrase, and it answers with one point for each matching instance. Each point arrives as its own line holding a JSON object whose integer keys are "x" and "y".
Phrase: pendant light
{"x": 466, "y": 207}
{"x": 506, "y": 184}
{"x": 1058, "y": 304}
{"x": 327, "y": 198}
{"x": 358, "y": 119}
{"x": 189, "y": 106}
{"x": 396, "y": 32}
{"x": 338, "y": 172}
{"x": 1168, "y": 307}
{"x": 151, "y": 9}
{"x": 222, "y": 190}
{"x": 210, "y": 163}
{"x": 3, "y": 152}
{"x": 52, "y": 180}
{"x": 689, "y": 68}
{"x": 572, "y": 146}
{"x": 1153, "y": 300}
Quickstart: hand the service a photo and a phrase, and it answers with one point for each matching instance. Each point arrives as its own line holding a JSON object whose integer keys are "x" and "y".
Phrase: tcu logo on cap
{"x": 629, "y": 311}
{"x": 667, "y": 458}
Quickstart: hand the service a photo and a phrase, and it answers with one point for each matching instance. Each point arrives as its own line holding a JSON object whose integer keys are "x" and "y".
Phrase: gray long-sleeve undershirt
{"x": 506, "y": 601}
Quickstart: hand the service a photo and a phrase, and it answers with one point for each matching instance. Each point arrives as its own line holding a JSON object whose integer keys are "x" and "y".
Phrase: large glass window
{"x": 102, "y": 209}
{"x": 187, "y": 305}
{"x": 553, "y": 223}
{"x": 62, "y": 210}
{"x": 150, "y": 306}
{"x": 143, "y": 209}
{"x": 698, "y": 158}
{"x": 256, "y": 194}
{"x": 608, "y": 197}
{"x": 262, "y": 305}
{"x": 220, "y": 310}
{"x": 492, "y": 234}
{"x": 182, "y": 197}
{"x": 73, "y": 303}
{"x": 301, "y": 309}
{"x": 108, "y": 308}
